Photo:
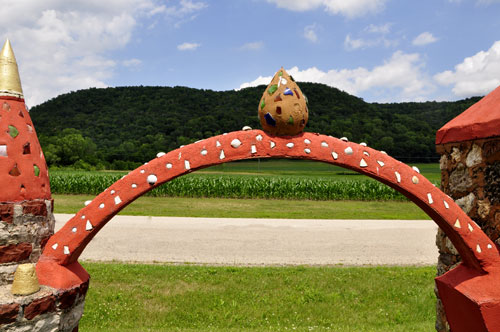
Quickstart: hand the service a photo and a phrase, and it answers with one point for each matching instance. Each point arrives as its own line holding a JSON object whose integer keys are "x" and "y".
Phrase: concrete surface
{"x": 263, "y": 241}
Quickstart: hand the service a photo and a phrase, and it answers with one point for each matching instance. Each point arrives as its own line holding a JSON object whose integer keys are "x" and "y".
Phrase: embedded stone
{"x": 282, "y": 115}
{"x": 152, "y": 179}
{"x": 253, "y": 149}
{"x": 15, "y": 252}
{"x": 270, "y": 120}
{"x": 37, "y": 208}
{"x": 459, "y": 179}
{"x": 348, "y": 150}
{"x": 414, "y": 179}
{"x": 483, "y": 209}
{"x": 466, "y": 203}
{"x": 160, "y": 154}
{"x": 3, "y": 150}
{"x": 344, "y": 139}
{"x": 39, "y": 307}
{"x": 363, "y": 163}
{"x": 235, "y": 143}
{"x": 88, "y": 226}
{"x": 13, "y": 132}
{"x": 474, "y": 157}
{"x": 456, "y": 155}
{"x": 272, "y": 89}
{"x": 246, "y": 128}
{"x": 443, "y": 162}
{"x": 363, "y": 144}
{"x": 15, "y": 171}
{"x": 289, "y": 145}
{"x": 8, "y": 313}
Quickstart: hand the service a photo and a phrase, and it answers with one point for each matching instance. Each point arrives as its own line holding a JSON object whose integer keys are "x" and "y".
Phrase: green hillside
{"x": 122, "y": 127}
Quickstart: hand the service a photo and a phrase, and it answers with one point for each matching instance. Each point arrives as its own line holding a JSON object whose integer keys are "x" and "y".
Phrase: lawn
{"x": 129, "y": 297}
{"x": 253, "y": 208}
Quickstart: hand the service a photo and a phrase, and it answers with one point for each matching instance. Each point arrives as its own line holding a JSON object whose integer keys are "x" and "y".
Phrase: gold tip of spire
{"x": 10, "y": 83}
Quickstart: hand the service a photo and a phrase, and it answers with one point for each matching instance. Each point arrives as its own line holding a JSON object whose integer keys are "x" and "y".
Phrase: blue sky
{"x": 380, "y": 50}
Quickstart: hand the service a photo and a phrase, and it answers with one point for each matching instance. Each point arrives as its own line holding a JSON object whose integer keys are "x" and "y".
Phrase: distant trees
{"x": 120, "y": 128}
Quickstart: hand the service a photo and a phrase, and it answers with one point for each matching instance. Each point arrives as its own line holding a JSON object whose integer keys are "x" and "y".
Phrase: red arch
{"x": 58, "y": 265}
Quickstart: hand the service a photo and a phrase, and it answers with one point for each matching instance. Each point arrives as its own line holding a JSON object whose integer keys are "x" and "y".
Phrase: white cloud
{"x": 400, "y": 78}
{"x": 188, "y": 46}
{"x": 351, "y": 8}
{"x": 310, "y": 33}
{"x": 373, "y": 35}
{"x": 131, "y": 62}
{"x": 253, "y": 46}
{"x": 476, "y": 75}
{"x": 382, "y": 29}
{"x": 63, "y": 46}
{"x": 424, "y": 38}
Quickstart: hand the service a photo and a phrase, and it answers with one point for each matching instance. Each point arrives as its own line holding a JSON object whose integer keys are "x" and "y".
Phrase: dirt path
{"x": 263, "y": 241}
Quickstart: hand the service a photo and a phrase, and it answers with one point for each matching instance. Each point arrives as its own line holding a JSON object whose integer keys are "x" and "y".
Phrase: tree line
{"x": 123, "y": 127}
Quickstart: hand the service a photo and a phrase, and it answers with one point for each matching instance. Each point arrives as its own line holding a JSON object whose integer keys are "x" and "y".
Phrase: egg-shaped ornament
{"x": 283, "y": 107}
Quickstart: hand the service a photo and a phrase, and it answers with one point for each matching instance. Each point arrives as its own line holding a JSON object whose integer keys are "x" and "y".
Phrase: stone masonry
{"x": 470, "y": 175}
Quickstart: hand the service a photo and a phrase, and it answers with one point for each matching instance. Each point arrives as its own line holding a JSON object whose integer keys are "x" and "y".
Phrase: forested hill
{"x": 120, "y": 127}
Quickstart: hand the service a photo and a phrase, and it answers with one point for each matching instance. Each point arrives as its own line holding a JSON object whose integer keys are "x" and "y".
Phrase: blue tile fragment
{"x": 270, "y": 120}
{"x": 288, "y": 92}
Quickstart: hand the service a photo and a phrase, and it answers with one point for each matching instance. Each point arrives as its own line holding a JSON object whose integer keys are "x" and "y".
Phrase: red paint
{"x": 61, "y": 276}
{"x": 25, "y": 186}
{"x": 480, "y": 256}
{"x": 481, "y": 120}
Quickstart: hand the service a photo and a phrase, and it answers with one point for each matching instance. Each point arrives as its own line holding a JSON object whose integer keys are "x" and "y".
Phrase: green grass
{"x": 254, "y": 208}
{"x": 128, "y": 297}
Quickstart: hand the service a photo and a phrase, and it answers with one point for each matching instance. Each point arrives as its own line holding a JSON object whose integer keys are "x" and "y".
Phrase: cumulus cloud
{"x": 63, "y": 45}
{"x": 401, "y": 77}
{"x": 350, "y": 9}
{"x": 424, "y": 38}
{"x": 253, "y": 46}
{"x": 188, "y": 46}
{"x": 476, "y": 75}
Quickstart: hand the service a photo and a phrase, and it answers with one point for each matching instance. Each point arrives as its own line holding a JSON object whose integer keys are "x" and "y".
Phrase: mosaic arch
{"x": 477, "y": 250}
{"x": 463, "y": 291}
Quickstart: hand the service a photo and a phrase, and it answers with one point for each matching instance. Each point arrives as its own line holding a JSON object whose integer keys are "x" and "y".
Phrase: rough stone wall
{"x": 47, "y": 310}
{"x": 25, "y": 228}
{"x": 470, "y": 175}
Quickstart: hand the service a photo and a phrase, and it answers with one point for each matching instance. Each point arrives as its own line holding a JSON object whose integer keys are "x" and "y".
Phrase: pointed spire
{"x": 10, "y": 83}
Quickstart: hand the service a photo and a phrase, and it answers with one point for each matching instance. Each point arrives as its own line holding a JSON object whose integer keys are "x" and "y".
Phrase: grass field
{"x": 128, "y": 297}
{"x": 253, "y": 208}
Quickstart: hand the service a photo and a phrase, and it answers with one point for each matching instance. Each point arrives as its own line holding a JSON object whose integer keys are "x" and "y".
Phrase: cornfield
{"x": 236, "y": 187}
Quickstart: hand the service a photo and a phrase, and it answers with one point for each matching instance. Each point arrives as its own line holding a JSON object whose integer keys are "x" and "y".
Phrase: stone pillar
{"x": 470, "y": 175}
{"x": 469, "y": 146}
{"x": 26, "y": 218}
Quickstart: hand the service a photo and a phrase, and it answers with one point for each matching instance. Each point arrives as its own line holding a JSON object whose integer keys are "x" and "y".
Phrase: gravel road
{"x": 263, "y": 241}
